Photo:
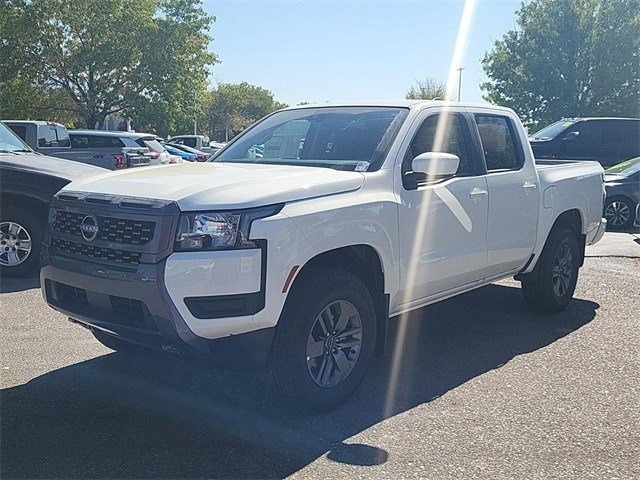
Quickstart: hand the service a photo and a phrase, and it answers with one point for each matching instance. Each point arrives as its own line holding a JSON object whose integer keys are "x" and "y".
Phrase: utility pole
{"x": 459, "y": 80}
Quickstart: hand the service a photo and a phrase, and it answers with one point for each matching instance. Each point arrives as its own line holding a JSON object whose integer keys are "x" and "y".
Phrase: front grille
{"x": 119, "y": 230}
{"x": 82, "y": 250}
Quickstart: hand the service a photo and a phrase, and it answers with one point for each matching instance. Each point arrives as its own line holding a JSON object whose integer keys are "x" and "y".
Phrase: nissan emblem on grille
{"x": 89, "y": 228}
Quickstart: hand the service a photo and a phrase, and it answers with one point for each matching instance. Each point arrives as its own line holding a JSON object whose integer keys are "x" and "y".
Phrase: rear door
{"x": 512, "y": 182}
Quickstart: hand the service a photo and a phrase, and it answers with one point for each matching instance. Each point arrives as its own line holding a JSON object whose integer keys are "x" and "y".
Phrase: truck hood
{"x": 213, "y": 185}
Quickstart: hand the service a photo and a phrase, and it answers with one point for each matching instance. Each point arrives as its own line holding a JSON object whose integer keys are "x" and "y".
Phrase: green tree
{"x": 146, "y": 59}
{"x": 233, "y": 107}
{"x": 429, "y": 89}
{"x": 568, "y": 58}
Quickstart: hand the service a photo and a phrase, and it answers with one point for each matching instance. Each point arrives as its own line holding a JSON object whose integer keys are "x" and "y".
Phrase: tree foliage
{"x": 233, "y": 107}
{"x": 429, "y": 89}
{"x": 568, "y": 58}
{"x": 147, "y": 59}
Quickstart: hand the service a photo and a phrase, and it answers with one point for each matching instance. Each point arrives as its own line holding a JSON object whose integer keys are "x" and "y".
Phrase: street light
{"x": 459, "y": 80}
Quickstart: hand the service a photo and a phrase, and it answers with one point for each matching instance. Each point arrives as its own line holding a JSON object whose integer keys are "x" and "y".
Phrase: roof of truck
{"x": 399, "y": 104}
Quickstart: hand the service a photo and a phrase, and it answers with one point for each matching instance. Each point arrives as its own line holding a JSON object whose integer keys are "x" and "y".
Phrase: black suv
{"x": 605, "y": 140}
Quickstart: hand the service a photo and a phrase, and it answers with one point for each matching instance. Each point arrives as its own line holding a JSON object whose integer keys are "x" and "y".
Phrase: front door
{"x": 442, "y": 226}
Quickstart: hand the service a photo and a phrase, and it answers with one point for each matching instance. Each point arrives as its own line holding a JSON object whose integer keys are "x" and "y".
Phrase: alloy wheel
{"x": 334, "y": 343}
{"x": 562, "y": 270}
{"x": 617, "y": 213}
{"x": 15, "y": 244}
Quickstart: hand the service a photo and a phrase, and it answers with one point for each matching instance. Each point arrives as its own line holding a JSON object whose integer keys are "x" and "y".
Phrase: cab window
{"x": 499, "y": 143}
{"x": 441, "y": 133}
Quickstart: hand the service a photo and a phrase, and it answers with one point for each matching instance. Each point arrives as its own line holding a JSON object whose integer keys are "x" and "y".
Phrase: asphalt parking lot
{"x": 473, "y": 387}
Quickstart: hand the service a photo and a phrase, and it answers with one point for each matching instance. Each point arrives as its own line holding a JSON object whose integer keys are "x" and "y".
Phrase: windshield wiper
{"x": 2, "y": 150}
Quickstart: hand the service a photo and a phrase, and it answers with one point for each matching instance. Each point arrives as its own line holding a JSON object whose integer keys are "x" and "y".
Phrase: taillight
{"x": 121, "y": 160}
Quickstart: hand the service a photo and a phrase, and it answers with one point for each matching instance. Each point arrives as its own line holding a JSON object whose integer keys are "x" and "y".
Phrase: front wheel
{"x": 549, "y": 288}
{"x": 325, "y": 339}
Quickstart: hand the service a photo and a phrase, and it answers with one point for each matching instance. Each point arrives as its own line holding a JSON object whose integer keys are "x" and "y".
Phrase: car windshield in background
{"x": 625, "y": 168}
{"x": 9, "y": 141}
{"x": 552, "y": 130}
{"x": 343, "y": 138}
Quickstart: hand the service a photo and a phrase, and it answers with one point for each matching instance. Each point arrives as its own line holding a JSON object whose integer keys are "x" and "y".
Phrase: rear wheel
{"x": 619, "y": 212}
{"x": 21, "y": 235}
{"x": 325, "y": 339}
{"x": 549, "y": 288}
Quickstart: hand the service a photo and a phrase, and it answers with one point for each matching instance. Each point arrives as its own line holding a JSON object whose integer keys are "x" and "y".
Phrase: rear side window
{"x": 499, "y": 143}
{"x": 47, "y": 136}
{"x": 79, "y": 141}
{"x": 53, "y": 136}
{"x": 189, "y": 142}
{"x": 62, "y": 136}
{"x": 99, "y": 141}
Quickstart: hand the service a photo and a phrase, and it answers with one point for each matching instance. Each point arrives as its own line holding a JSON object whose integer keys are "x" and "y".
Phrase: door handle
{"x": 477, "y": 192}
{"x": 529, "y": 185}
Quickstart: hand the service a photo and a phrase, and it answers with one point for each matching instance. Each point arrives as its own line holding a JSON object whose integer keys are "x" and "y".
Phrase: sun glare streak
{"x": 399, "y": 355}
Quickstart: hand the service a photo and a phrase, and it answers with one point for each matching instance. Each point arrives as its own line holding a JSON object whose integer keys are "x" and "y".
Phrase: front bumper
{"x": 136, "y": 306}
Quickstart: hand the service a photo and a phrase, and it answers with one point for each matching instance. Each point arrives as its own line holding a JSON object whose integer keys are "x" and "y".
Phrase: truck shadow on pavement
{"x": 156, "y": 416}
{"x": 10, "y": 285}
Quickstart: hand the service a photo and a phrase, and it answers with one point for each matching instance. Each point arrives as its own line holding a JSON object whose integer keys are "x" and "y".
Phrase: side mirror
{"x": 571, "y": 136}
{"x": 436, "y": 165}
{"x": 431, "y": 166}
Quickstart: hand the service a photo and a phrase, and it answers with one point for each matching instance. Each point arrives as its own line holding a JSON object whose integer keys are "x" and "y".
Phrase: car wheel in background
{"x": 619, "y": 212}
{"x": 21, "y": 235}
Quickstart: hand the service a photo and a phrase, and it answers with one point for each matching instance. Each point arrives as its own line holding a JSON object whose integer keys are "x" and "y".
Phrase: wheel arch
{"x": 364, "y": 262}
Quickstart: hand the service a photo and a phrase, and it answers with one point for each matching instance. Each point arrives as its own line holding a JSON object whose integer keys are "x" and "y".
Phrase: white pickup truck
{"x": 298, "y": 257}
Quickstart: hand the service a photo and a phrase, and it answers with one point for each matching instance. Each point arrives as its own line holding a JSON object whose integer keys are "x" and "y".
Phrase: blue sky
{"x": 319, "y": 51}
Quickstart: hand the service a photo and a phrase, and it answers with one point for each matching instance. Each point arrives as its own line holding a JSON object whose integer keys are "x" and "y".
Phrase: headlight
{"x": 219, "y": 230}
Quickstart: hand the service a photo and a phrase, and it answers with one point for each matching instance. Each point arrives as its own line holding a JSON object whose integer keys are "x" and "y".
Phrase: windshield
{"x": 9, "y": 141}
{"x": 625, "y": 168}
{"x": 344, "y": 138}
{"x": 553, "y": 130}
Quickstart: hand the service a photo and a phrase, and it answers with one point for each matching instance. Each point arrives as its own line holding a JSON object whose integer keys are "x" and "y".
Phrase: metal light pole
{"x": 459, "y": 80}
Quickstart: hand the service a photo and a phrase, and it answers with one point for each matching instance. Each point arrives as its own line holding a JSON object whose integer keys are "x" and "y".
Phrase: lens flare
{"x": 400, "y": 353}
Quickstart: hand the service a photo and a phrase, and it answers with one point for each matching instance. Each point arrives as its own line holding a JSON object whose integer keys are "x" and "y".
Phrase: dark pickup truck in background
{"x": 112, "y": 150}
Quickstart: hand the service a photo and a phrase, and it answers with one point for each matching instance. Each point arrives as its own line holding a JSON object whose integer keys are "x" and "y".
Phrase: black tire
{"x": 620, "y": 213}
{"x": 549, "y": 288}
{"x": 290, "y": 368}
{"x": 33, "y": 223}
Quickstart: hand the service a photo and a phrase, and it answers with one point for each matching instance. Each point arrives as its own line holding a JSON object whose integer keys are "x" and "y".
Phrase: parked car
{"x": 199, "y": 142}
{"x": 28, "y": 180}
{"x": 636, "y": 224}
{"x": 605, "y": 140}
{"x": 622, "y": 183}
{"x": 157, "y": 152}
{"x": 298, "y": 259}
{"x": 186, "y": 156}
{"x": 103, "y": 149}
{"x": 200, "y": 156}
